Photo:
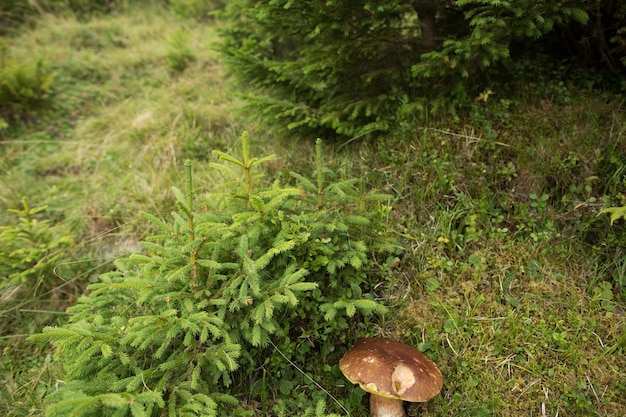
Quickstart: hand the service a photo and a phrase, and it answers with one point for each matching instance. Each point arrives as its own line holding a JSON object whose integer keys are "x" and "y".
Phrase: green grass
{"x": 509, "y": 279}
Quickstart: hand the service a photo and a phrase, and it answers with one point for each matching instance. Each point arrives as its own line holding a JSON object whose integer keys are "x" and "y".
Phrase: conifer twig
{"x": 320, "y": 176}
{"x": 247, "y": 165}
{"x": 192, "y": 234}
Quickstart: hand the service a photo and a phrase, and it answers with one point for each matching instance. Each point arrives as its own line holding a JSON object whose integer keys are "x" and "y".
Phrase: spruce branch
{"x": 320, "y": 175}
{"x": 192, "y": 233}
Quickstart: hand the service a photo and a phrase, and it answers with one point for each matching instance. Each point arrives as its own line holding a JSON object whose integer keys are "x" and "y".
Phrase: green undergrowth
{"x": 512, "y": 280}
{"x": 511, "y": 276}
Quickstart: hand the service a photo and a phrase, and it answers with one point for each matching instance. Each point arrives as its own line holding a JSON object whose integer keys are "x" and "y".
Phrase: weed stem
{"x": 310, "y": 379}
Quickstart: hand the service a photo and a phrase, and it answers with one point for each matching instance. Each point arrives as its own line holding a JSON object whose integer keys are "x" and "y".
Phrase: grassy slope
{"x": 502, "y": 289}
{"x": 112, "y": 144}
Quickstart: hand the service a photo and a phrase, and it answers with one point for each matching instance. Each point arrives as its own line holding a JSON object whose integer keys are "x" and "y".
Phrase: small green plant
{"x": 603, "y": 294}
{"x": 179, "y": 55}
{"x": 24, "y": 86}
{"x": 319, "y": 410}
{"x": 29, "y": 251}
{"x": 615, "y": 212}
{"x": 230, "y": 272}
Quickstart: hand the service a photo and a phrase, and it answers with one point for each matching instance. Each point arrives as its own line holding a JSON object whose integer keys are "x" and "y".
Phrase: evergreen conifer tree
{"x": 164, "y": 333}
{"x": 349, "y": 69}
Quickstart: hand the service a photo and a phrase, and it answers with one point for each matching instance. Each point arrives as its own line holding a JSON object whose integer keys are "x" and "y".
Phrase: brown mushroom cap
{"x": 391, "y": 369}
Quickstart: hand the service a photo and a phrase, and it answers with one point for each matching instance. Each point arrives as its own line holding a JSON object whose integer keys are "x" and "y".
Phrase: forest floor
{"x": 509, "y": 278}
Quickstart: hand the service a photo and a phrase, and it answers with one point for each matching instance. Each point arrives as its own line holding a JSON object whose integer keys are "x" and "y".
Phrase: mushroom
{"x": 391, "y": 372}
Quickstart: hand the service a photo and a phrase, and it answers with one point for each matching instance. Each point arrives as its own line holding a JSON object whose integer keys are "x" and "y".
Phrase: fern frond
{"x": 615, "y": 212}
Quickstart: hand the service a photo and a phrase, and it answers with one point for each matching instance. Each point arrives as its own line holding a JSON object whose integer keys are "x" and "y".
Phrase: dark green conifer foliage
{"x": 164, "y": 333}
{"x": 347, "y": 69}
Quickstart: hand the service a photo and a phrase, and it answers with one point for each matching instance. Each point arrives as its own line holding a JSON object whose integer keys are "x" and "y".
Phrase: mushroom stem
{"x": 386, "y": 407}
